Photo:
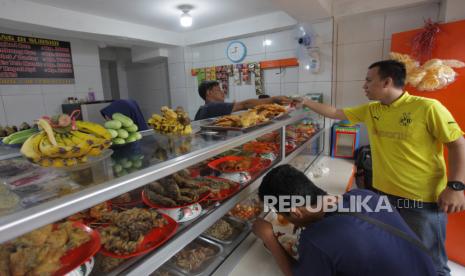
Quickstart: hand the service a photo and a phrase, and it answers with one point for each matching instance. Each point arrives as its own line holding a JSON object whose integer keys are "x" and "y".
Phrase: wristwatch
{"x": 456, "y": 185}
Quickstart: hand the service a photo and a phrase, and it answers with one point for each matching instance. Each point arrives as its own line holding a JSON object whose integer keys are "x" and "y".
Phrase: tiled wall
{"x": 289, "y": 81}
{"x": 25, "y": 103}
{"x": 366, "y": 38}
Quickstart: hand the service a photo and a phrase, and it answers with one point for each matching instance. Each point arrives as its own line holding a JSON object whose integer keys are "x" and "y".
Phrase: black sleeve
{"x": 214, "y": 110}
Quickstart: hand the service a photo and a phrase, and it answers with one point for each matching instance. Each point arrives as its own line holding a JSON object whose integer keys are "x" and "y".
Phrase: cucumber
{"x": 122, "y": 133}
{"x": 132, "y": 128}
{"x": 119, "y": 141}
{"x": 113, "y": 124}
{"x": 127, "y": 165}
{"x": 131, "y": 139}
{"x": 137, "y": 164}
{"x": 19, "y": 137}
{"x": 118, "y": 168}
{"x": 113, "y": 133}
{"x": 138, "y": 135}
{"x": 126, "y": 121}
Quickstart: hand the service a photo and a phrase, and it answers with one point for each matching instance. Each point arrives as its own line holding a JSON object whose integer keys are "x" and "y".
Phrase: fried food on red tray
{"x": 39, "y": 252}
{"x": 260, "y": 147}
{"x": 235, "y": 165}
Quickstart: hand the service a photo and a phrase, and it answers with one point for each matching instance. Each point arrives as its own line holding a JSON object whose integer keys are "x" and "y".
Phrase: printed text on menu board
{"x": 32, "y": 60}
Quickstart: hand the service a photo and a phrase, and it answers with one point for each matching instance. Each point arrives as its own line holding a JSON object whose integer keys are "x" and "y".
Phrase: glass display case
{"x": 132, "y": 176}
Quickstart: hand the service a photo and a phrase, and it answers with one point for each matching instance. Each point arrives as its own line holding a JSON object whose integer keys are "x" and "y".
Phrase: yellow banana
{"x": 92, "y": 140}
{"x": 45, "y": 162}
{"x": 79, "y": 146}
{"x": 49, "y": 150}
{"x": 58, "y": 162}
{"x": 93, "y": 128}
{"x": 30, "y": 148}
{"x": 95, "y": 151}
{"x": 69, "y": 162}
{"x": 82, "y": 159}
{"x": 48, "y": 129}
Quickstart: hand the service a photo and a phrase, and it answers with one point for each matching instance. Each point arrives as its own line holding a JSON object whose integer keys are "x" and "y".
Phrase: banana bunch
{"x": 171, "y": 121}
{"x": 63, "y": 146}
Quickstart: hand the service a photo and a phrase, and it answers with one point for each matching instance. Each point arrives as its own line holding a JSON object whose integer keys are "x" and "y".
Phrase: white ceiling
{"x": 163, "y": 14}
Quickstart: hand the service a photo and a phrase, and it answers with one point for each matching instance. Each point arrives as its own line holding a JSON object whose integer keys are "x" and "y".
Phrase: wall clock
{"x": 236, "y": 51}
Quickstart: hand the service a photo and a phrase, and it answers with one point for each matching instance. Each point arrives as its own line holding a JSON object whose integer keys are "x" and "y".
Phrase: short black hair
{"x": 264, "y": 96}
{"x": 392, "y": 69}
{"x": 205, "y": 86}
{"x": 287, "y": 180}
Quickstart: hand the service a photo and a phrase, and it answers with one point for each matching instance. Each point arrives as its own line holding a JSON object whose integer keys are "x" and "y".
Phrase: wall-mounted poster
{"x": 32, "y": 60}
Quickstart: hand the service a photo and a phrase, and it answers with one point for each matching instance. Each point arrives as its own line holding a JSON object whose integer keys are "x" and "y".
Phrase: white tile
{"x": 360, "y": 27}
{"x": 254, "y": 45}
{"x": 280, "y": 55}
{"x": 177, "y": 75}
{"x": 273, "y": 89}
{"x": 272, "y": 75}
{"x": 175, "y": 54}
{"x": 326, "y": 65}
{"x": 179, "y": 98}
{"x": 190, "y": 80}
{"x": 254, "y": 58}
{"x": 324, "y": 30}
{"x": 410, "y": 18}
{"x": 290, "y": 89}
{"x": 244, "y": 92}
{"x": 54, "y": 101}
{"x": 3, "y": 120}
{"x": 187, "y": 54}
{"x": 203, "y": 53}
{"x": 84, "y": 53}
{"x": 87, "y": 77}
{"x": 354, "y": 59}
{"x": 20, "y": 109}
{"x": 219, "y": 50}
{"x": 58, "y": 89}
{"x": 350, "y": 93}
{"x": 12, "y": 90}
{"x": 290, "y": 74}
{"x": 281, "y": 41}
{"x": 386, "y": 48}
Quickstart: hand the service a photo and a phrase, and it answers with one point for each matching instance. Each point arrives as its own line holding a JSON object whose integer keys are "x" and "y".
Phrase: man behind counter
{"x": 215, "y": 106}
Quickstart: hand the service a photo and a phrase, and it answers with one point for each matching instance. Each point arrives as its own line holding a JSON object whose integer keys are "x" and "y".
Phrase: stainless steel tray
{"x": 239, "y": 227}
{"x": 166, "y": 271}
{"x": 206, "y": 264}
{"x": 243, "y": 129}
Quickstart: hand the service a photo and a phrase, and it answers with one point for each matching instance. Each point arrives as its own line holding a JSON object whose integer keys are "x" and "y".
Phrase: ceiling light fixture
{"x": 186, "y": 18}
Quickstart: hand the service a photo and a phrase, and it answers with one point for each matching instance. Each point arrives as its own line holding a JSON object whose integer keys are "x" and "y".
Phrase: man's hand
{"x": 263, "y": 229}
{"x": 282, "y": 100}
{"x": 451, "y": 201}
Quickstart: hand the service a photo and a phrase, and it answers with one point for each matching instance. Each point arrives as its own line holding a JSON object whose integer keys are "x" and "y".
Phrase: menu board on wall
{"x": 32, "y": 60}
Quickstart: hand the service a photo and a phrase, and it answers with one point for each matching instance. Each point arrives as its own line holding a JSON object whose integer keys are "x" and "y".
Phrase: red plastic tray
{"x": 152, "y": 240}
{"x": 255, "y": 165}
{"x": 148, "y": 202}
{"x": 225, "y": 193}
{"x": 79, "y": 255}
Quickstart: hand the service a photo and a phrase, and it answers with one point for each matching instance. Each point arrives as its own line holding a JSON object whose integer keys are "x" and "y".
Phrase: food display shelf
{"x": 200, "y": 147}
{"x": 151, "y": 261}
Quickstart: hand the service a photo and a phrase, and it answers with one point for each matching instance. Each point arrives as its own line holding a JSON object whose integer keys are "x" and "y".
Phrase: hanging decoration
{"x": 241, "y": 73}
{"x": 423, "y": 42}
{"x": 432, "y": 75}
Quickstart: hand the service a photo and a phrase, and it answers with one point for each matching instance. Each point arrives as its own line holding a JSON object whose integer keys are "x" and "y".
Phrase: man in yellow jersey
{"x": 407, "y": 134}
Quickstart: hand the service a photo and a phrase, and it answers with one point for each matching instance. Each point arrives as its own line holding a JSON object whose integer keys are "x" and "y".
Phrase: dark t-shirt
{"x": 211, "y": 110}
{"x": 345, "y": 245}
